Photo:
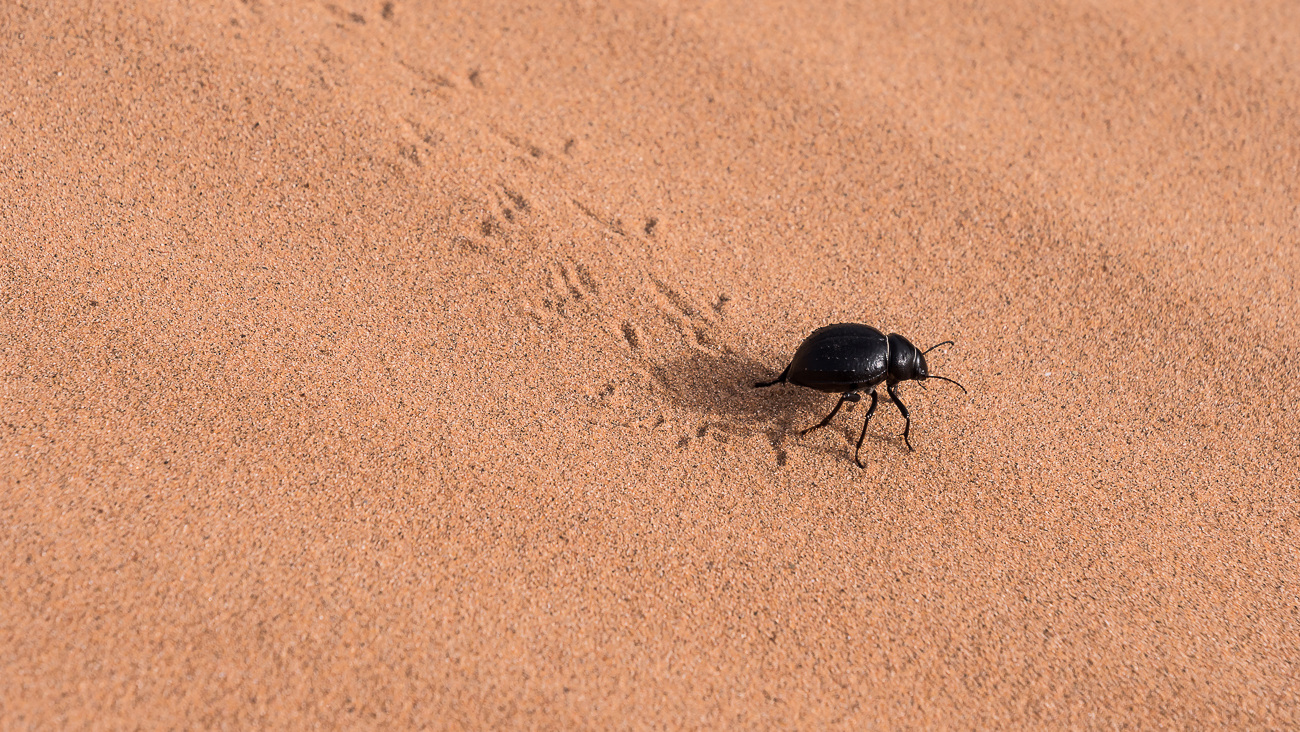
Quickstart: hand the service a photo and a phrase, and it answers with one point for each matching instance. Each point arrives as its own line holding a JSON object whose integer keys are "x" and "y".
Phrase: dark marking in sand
{"x": 678, "y": 301}
{"x": 587, "y": 280}
{"x": 630, "y": 334}
{"x": 518, "y": 200}
{"x": 428, "y": 77}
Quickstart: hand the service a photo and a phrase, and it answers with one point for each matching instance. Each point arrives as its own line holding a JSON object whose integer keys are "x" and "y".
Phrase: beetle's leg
{"x": 851, "y": 396}
{"x": 870, "y": 411}
{"x": 907, "y": 426}
{"x": 778, "y": 380}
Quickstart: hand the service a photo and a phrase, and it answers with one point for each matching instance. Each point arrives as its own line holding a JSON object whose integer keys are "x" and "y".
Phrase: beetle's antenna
{"x": 931, "y": 348}
{"x": 945, "y": 378}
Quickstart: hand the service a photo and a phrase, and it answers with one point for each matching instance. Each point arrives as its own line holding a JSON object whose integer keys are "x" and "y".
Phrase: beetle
{"x": 847, "y": 358}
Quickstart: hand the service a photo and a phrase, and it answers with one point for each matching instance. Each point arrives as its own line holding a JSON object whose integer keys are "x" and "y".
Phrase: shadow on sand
{"x": 721, "y": 385}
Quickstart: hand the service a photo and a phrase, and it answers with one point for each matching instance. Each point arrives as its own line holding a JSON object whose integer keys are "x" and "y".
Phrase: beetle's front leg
{"x": 907, "y": 424}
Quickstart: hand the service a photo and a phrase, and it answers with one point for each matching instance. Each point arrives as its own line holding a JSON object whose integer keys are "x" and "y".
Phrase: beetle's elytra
{"x": 847, "y": 358}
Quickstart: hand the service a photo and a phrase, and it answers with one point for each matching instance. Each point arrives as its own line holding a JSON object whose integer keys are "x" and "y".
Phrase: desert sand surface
{"x": 389, "y": 364}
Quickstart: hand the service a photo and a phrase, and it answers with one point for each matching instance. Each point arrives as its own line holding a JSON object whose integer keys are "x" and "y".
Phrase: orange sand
{"x": 382, "y": 364}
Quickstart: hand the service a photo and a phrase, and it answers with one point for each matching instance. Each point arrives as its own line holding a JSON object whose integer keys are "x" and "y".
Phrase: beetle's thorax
{"x": 905, "y": 362}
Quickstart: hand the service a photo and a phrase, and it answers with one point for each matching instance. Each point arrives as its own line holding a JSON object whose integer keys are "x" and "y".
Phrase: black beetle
{"x": 846, "y": 358}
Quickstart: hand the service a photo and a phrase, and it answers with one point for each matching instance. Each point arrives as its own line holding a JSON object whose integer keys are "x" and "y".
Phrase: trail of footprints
{"x": 676, "y": 326}
{"x": 568, "y": 284}
{"x": 655, "y": 321}
{"x": 659, "y": 324}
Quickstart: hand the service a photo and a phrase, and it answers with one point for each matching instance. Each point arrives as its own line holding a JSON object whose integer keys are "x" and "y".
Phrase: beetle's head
{"x": 907, "y": 362}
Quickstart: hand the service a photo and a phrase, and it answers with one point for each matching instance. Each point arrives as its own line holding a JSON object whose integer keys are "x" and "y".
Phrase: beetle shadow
{"x": 720, "y": 388}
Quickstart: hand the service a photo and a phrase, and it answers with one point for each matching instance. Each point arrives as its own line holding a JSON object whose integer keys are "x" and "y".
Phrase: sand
{"x": 388, "y": 364}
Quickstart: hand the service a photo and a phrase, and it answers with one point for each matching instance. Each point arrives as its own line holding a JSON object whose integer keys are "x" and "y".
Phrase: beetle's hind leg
{"x": 870, "y": 411}
{"x": 851, "y": 396}
{"x": 907, "y": 419}
{"x": 778, "y": 380}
